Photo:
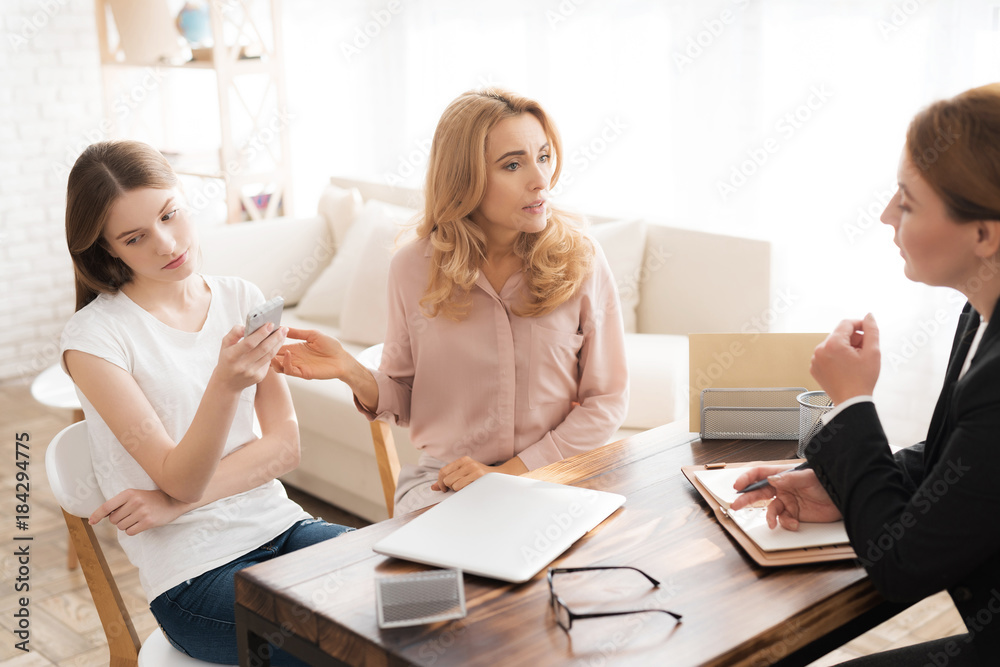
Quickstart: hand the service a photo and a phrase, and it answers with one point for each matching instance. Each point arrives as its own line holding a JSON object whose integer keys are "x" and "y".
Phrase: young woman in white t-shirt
{"x": 169, "y": 386}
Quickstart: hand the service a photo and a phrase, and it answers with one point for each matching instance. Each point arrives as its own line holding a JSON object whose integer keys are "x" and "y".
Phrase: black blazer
{"x": 928, "y": 518}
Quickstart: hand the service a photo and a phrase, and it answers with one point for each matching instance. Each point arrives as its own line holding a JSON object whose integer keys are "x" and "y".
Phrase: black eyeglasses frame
{"x": 556, "y": 602}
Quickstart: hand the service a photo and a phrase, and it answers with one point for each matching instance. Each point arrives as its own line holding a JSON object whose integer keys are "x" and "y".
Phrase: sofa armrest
{"x": 695, "y": 282}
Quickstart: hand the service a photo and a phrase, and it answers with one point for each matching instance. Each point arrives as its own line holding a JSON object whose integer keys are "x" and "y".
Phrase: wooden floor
{"x": 65, "y": 629}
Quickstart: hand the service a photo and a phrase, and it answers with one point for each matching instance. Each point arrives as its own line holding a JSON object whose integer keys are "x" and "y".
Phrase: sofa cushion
{"x": 624, "y": 244}
{"x": 363, "y": 318}
{"x": 324, "y": 300}
{"x": 340, "y": 206}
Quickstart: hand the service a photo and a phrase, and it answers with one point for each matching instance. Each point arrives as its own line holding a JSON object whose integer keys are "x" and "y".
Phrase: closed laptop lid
{"x": 501, "y": 526}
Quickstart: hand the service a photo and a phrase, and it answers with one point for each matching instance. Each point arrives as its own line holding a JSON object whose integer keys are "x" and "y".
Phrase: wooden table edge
{"x": 862, "y": 595}
{"x": 811, "y": 626}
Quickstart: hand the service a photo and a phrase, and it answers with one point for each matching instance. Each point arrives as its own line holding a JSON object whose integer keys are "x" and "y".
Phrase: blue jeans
{"x": 198, "y": 616}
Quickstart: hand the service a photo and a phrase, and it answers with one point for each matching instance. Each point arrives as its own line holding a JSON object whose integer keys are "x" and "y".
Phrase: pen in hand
{"x": 760, "y": 484}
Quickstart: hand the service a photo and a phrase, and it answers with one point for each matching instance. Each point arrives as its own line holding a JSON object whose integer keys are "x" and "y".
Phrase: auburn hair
{"x": 103, "y": 173}
{"x": 955, "y": 144}
{"x": 556, "y": 260}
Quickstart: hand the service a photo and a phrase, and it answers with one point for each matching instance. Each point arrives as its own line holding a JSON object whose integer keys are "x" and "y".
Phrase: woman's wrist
{"x": 362, "y": 382}
{"x": 219, "y": 386}
{"x": 515, "y": 466}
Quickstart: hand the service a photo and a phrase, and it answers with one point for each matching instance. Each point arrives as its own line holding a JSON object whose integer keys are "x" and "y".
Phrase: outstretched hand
{"x": 320, "y": 357}
{"x": 797, "y": 496}
{"x": 847, "y": 363}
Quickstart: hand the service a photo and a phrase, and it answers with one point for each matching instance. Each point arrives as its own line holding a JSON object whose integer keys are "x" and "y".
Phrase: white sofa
{"x": 331, "y": 271}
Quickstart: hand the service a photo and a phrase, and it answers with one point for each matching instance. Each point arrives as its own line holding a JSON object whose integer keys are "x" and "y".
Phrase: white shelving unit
{"x": 248, "y": 160}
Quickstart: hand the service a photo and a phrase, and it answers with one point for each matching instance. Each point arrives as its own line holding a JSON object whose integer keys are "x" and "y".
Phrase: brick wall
{"x": 50, "y": 109}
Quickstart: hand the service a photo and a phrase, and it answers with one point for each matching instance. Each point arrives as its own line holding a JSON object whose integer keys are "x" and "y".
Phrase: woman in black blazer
{"x": 927, "y": 518}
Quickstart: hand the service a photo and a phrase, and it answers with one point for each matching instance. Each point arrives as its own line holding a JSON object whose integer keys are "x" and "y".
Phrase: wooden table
{"x": 319, "y": 602}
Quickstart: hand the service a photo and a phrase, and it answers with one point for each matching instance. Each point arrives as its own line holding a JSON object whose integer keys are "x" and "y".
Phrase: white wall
{"x": 50, "y": 108}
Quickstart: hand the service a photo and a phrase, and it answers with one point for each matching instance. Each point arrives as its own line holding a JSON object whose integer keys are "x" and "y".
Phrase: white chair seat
{"x": 158, "y": 652}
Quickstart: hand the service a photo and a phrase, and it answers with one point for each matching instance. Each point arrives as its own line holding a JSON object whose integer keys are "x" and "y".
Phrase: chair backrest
{"x": 71, "y": 474}
{"x": 388, "y": 461}
{"x": 385, "y": 446}
{"x": 71, "y": 471}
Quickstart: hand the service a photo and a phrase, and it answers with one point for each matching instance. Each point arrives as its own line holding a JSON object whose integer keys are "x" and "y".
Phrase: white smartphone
{"x": 269, "y": 311}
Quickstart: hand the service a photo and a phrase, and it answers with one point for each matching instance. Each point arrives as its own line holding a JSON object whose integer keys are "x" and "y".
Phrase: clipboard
{"x": 798, "y": 556}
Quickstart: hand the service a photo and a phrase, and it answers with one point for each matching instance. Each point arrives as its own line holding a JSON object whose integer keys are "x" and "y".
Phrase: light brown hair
{"x": 103, "y": 173}
{"x": 556, "y": 260}
{"x": 955, "y": 144}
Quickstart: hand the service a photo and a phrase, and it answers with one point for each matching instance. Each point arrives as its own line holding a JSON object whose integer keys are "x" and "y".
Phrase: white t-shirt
{"x": 172, "y": 368}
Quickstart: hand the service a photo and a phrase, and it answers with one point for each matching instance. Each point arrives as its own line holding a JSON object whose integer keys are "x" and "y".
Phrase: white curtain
{"x": 775, "y": 119}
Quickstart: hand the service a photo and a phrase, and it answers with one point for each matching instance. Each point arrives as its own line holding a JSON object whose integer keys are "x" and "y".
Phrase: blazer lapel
{"x": 968, "y": 323}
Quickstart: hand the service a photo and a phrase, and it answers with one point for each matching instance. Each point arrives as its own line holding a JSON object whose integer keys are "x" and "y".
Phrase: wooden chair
{"x": 388, "y": 461}
{"x": 71, "y": 475}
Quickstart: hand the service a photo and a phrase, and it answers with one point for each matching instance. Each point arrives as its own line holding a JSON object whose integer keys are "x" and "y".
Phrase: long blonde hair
{"x": 556, "y": 260}
{"x": 103, "y": 173}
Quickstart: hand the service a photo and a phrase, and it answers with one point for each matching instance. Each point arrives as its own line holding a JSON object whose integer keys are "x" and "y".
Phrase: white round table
{"x": 55, "y": 389}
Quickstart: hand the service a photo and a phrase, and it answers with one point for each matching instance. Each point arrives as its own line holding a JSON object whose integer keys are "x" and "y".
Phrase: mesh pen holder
{"x": 419, "y": 598}
{"x": 758, "y": 413}
{"x": 812, "y": 406}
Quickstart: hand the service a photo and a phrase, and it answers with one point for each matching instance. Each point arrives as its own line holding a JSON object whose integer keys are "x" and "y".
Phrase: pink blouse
{"x": 495, "y": 385}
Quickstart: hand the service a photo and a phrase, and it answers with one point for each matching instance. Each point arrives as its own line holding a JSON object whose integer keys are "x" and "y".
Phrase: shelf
{"x": 239, "y": 67}
{"x": 235, "y": 22}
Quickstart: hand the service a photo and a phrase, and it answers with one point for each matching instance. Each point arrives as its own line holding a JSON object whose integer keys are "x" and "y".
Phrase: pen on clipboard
{"x": 760, "y": 484}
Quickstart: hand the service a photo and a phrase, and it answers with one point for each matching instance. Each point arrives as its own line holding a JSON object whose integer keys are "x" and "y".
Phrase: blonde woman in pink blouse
{"x": 504, "y": 348}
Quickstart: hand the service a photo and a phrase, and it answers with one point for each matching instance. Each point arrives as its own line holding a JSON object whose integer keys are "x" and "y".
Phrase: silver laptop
{"x": 501, "y": 526}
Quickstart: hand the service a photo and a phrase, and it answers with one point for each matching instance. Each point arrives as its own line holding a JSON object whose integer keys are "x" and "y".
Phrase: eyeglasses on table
{"x": 565, "y": 616}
